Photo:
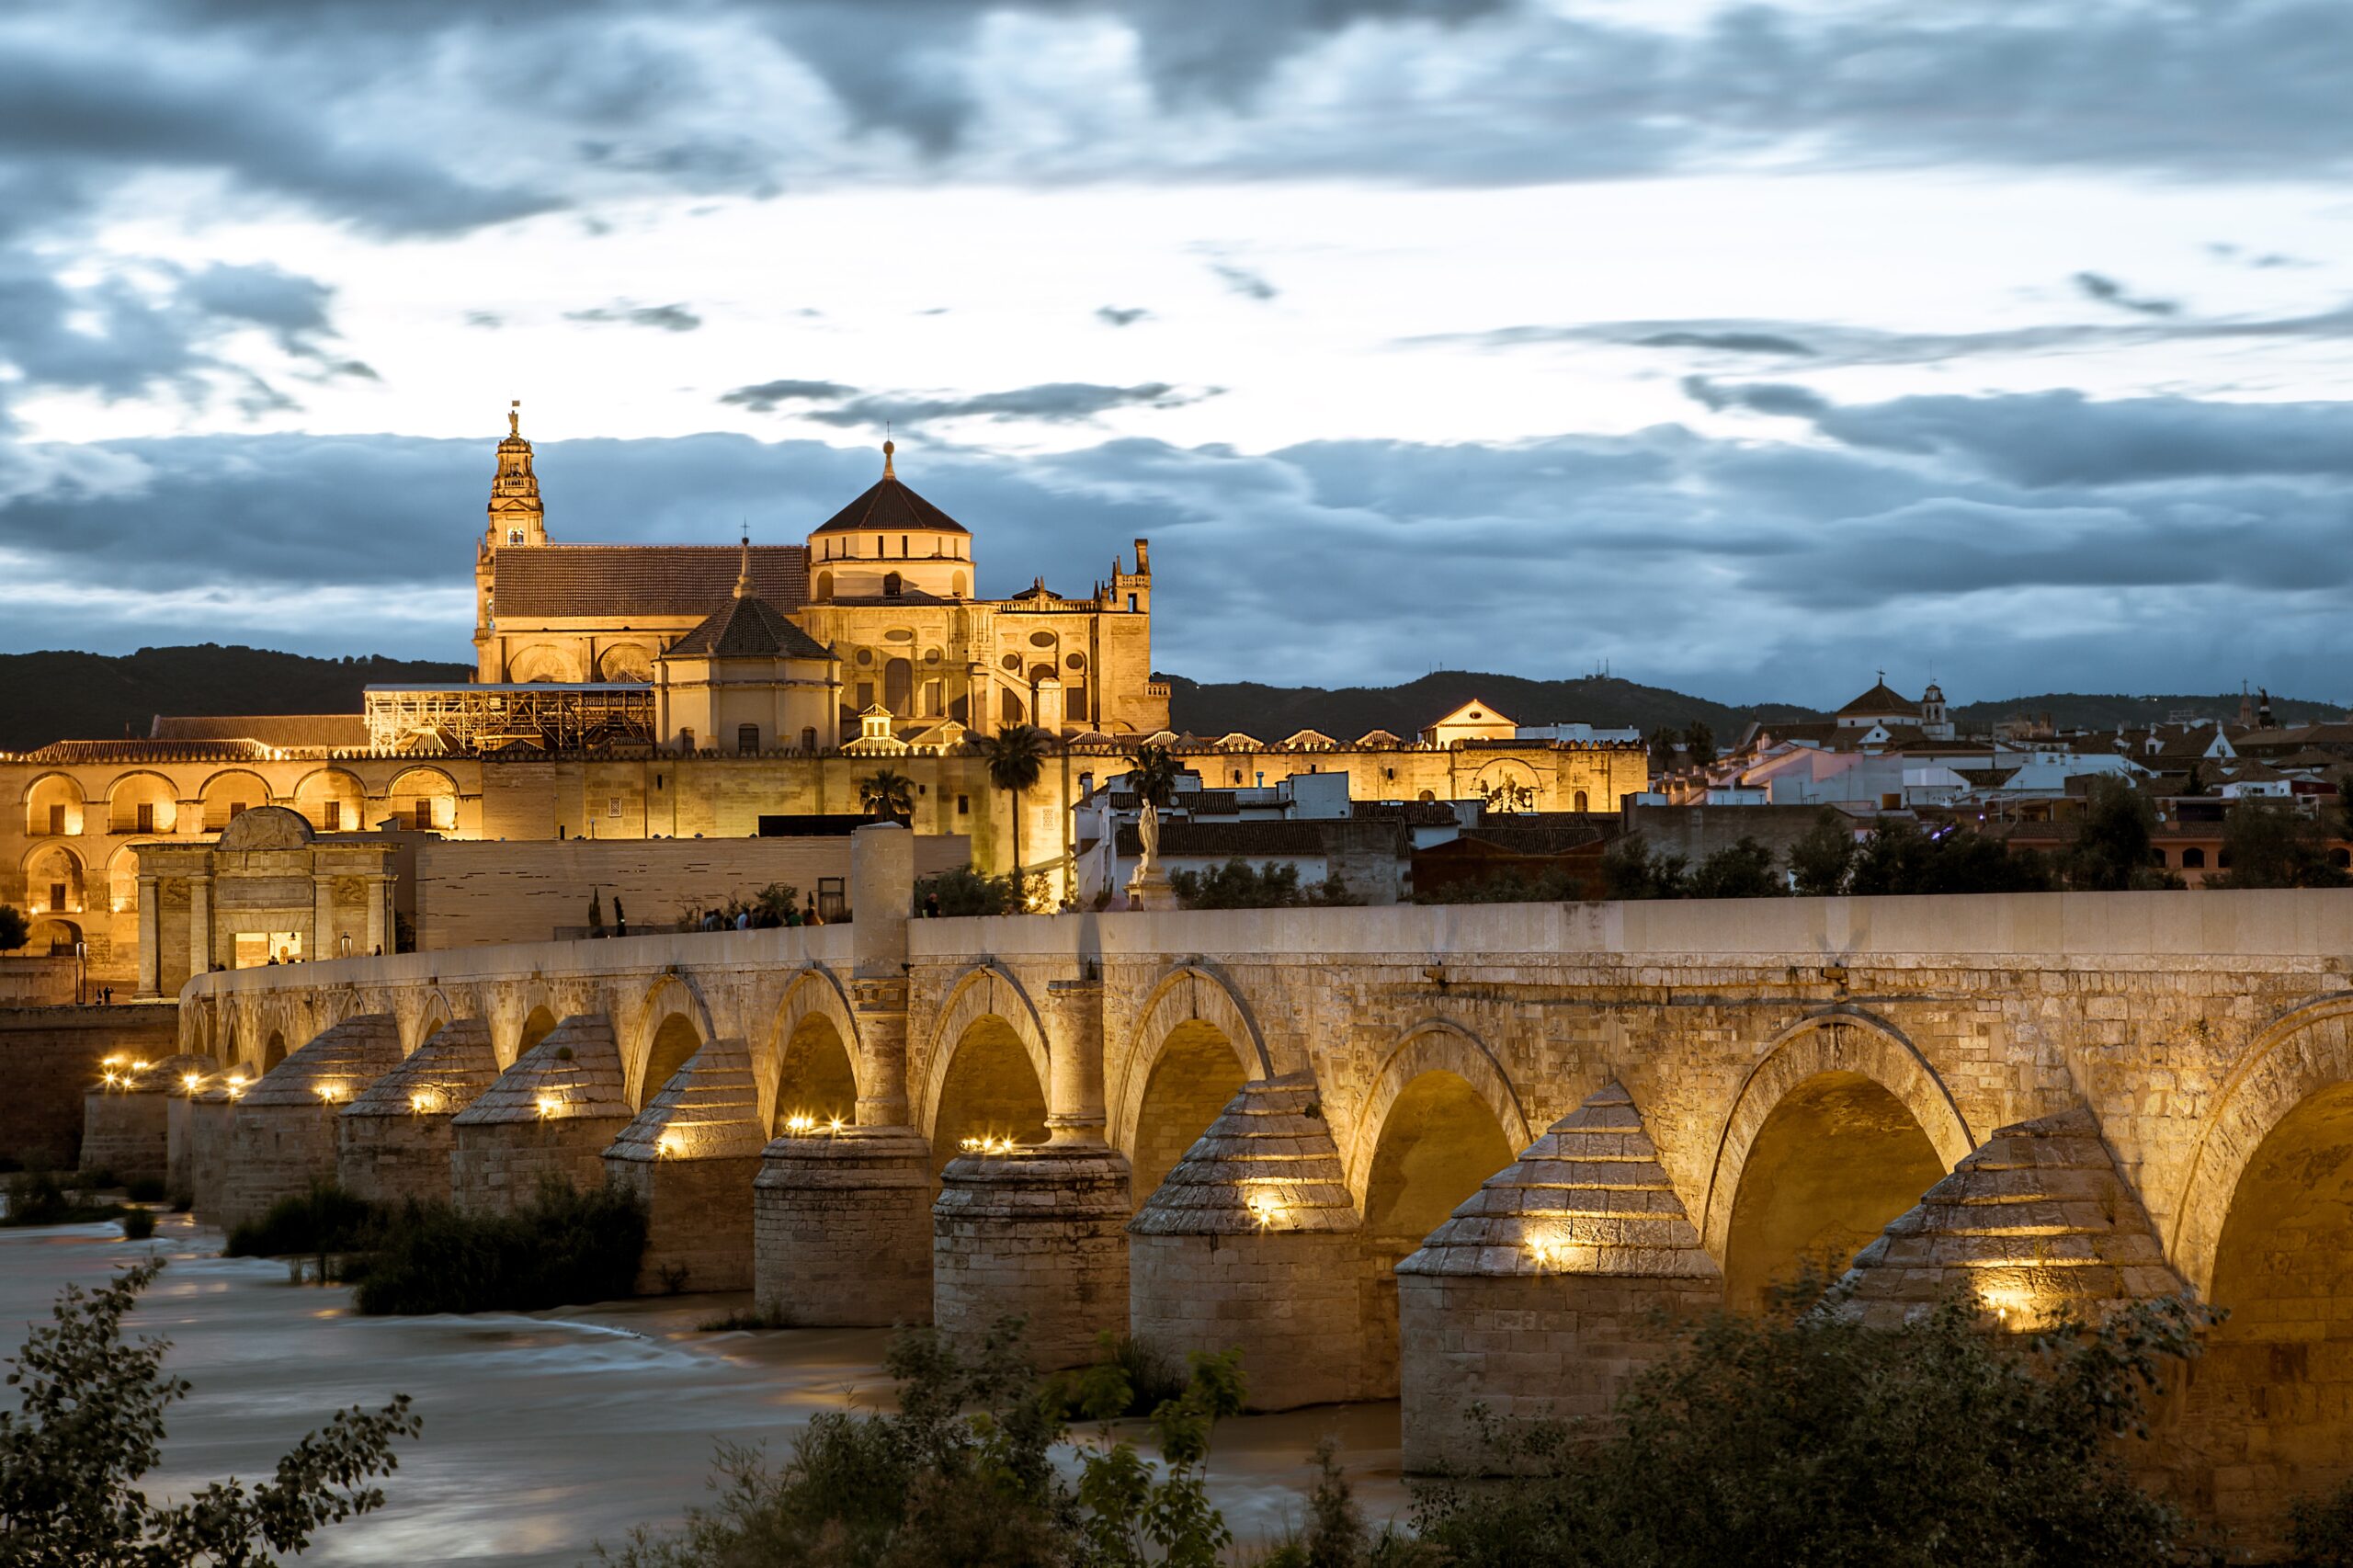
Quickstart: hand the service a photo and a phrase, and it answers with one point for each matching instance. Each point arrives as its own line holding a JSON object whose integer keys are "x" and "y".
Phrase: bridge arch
{"x": 814, "y": 1062}
{"x": 538, "y": 1022}
{"x": 1193, "y": 1047}
{"x": 430, "y": 1015}
{"x": 2265, "y": 1230}
{"x": 1433, "y": 1045}
{"x": 1838, "y": 1128}
{"x": 989, "y": 1065}
{"x": 673, "y": 1022}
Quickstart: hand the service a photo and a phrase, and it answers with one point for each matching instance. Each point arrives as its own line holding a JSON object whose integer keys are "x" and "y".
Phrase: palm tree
{"x": 1154, "y": 775}
{"x": 888, "y": 795}
{"x": 1016, "y": 757}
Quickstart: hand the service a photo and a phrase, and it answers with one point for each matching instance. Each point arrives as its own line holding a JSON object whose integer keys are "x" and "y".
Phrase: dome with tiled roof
{"x": 1880, "y": 702}
{"x": 889, "y": 506}
{"x": 748, "y": 627}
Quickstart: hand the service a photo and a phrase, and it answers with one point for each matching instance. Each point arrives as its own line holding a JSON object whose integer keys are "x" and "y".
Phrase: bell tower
{"x": 516, "y": 515}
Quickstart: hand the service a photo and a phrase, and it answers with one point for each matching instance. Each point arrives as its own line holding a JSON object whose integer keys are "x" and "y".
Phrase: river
{"x": 546, "y": 1432}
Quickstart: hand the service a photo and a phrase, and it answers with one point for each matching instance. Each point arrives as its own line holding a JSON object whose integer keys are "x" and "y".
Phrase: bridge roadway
{"x": 1759, "y": 1081}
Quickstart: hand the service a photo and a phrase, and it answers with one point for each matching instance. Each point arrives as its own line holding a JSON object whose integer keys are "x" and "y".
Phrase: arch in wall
{"x": 672, "y": 1022}
{"x": 48, "y": 933}
{"x": 423, "y": 797}
{"x": 338, "y": 787}
{"x": 428, "y": 1021}
{"x": 2273, "y": 1391}
{"x": 1840, "y": 1128}
{"x": 122, "y": 880}
{"x": 1193, "y": 1047}
{"x": 53, "y": 806}
{"x": 1433, "y": 1045}
{"x": 229, "y": 791}
{"x": 537, "y": 1024}
{"x": 2300, "y": 1053}
{"x": 626, "y": 661}
{"x": 273, "y": 1049}
{"x": 813, "y": 1062}
{"x": 139, "y": 787}
{"x": 988, "y": 1067}
{"x": 49, "y": 866}
{"x": 538, "y": 662}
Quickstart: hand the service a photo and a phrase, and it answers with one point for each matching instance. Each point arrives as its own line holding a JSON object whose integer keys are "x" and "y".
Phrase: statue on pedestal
{"x": 1148, "y": 888}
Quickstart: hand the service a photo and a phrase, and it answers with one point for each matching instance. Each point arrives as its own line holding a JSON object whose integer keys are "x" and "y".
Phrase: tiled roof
{"x": 889, "y": 506}
{"x": 747, "y": 629}
{"x": 1417, "y": 813}
{"x": 1878, "y": 700}
{"x": 149, "y": 751}
{"x": 326, "y": 732}
{"x": 641, "y": 579}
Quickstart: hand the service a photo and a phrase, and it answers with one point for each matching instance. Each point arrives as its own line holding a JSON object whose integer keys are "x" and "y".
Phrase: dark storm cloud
{"x": 2109, "y": 291}
{"x": 1050, "y": 402}
{"x": 2134, "y": 544}
{"x": 1242, "y": 280}
{"x": 1829, "y": 344}
{"x": 668, "y": 318}
{"x": 1114, "y": 316}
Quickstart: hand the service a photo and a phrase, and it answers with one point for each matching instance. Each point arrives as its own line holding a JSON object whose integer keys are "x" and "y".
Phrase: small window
{"x": 747, "y": 738}
{"x": 686, "y": 740}
{"x": 236, "y": 810}
{"x": 1580, "y": 805}
{"x": 809, "y": 737}
{"x": 963, "y": 805}
{"x": 332, "y": 816}
{"x": 830, "y": 901}
{"x": 1131, "y": 603}
{"x": 57, "y": 820}
{"x": 423, "y": 816}
{"x": 903, "y": 547}
{"x": 146, "y": 816}
{"x": 890, "y": 585}
{"x": 1389, "y": 774}
{"x": 56, "y": 898}
{"x": 613, "y": 806}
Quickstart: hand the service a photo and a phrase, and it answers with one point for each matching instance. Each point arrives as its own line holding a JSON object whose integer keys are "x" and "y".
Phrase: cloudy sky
{"x": 1745, "y": 348}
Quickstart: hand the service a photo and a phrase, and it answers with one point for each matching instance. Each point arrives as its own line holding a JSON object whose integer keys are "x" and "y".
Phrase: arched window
{"x": 899, "y": 687}
{"x": 824, "y": 584}
{"x": 514, "y": 536}
{"x": 890, "y": 585}
{"x": 686, "y": 740}
{"x": 1580, "y": 802}
{"x": 2193, "y": 860}
{"x": 747, "y": 738}
{"x": 809, "y": 737}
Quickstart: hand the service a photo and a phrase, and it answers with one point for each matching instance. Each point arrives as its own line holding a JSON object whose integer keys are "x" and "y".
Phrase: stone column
{"x": 841, "y": 1228}
{"x": 881, "y": 1006}
{"x": 882, "y": 892}
{"x": 1075, "y": 1113}
{"x": 322, "y": 917}
{"x": 202, "y": 948}
{"x": 379, "y": 914}
{"x": 1037, "y": 1233}
{"x": 150, "y": 940}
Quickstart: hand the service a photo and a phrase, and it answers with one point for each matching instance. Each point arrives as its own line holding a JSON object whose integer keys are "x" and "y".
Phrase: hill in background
{"x": 1271, "y": 712}
{"x": 61, "y": 696}
{"x": 2078, "y": 711}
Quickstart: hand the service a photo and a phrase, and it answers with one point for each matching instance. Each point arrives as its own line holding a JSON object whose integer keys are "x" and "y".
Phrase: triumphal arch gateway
{"x": 676, "y": 691}
{"x": 1457, "y": 1153}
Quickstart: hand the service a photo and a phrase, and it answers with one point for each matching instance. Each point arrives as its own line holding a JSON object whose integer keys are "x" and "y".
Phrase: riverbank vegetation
{"x": 89, "y": 1424}
{"x": 562, "y": 1248}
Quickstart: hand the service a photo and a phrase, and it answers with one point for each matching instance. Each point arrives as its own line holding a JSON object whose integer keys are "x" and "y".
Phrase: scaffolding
{"x": 426, "y": 720}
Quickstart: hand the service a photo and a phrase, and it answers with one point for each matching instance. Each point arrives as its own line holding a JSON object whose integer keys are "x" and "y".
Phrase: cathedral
{"x": 793, "y": 647}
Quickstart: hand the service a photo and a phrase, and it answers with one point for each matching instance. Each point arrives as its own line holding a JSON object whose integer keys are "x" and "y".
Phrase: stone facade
{"x": 127, "y": 1117}
{"x": 841, "y": 1228}
{"x": 212, "y": 1117}
{"x": 690, "y": 1155}
{"x": 394, "y": 1140}
{"x": 282, "y": 1134}
{"x": 548, "y": 1119}
{"x": 55, "y": 1056}
{"x": 1034, "y": 1234}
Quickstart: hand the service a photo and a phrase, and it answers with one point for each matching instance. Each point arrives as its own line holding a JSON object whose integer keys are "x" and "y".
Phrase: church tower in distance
{"x": 515, "y": 517}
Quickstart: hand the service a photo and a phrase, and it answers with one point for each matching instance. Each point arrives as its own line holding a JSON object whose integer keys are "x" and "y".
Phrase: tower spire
{"x": 743, "y": 573}
{"x": 888, "y": 447}
{"x": 515, "y": 416}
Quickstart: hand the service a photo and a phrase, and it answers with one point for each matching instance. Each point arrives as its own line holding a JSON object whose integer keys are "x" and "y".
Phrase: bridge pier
{"x": 1040, "y": 1233}
{"x": 1539, "y": 1298}
{"x": 282, "y": 1135}
{"x": 1252, "y": 1242}
{"x": 126, "y": 1125}
{"x": 548, "y": 1117}
{"x": 842, "y": 1231}
{"x": 690, "y": 1156}
{"x": 393, "y": 1143}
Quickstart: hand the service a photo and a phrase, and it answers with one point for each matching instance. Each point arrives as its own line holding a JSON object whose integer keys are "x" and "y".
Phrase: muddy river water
{"x": 544, "y": 1433}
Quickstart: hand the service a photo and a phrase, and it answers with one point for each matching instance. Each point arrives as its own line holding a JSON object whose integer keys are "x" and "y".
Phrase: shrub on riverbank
{"x": 40, "y": 1198}
{"x": 326, "y": 1219}
{"x": 563, "y": 1248}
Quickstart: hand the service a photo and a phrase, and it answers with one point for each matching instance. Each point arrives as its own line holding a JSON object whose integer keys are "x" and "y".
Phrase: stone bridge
{"x": 1233, "y": 1127}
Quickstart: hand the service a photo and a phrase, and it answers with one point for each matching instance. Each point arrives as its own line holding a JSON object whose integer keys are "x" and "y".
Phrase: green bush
{"x": 2320, "y": 1530}
{"x": 326, "y": 1219}
{"x": 39, "y": 1198}
{"x": 1804, "y": 1437}
{"x": 138, "y": 1224}
{"x": 565, "y": 1248}
{"x": 962, "y": 891}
